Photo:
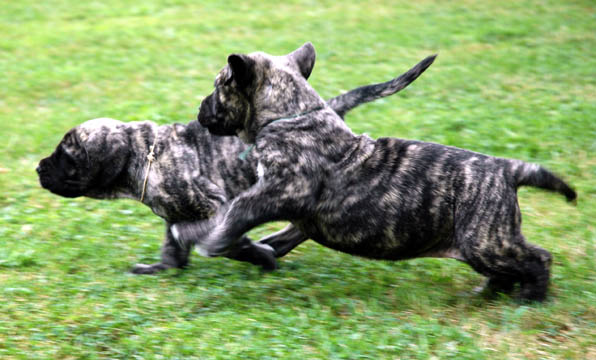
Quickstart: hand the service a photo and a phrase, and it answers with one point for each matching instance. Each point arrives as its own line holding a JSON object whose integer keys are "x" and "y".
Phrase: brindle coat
{"x": 192, "y": 175}
{"x": 384, "y": 199}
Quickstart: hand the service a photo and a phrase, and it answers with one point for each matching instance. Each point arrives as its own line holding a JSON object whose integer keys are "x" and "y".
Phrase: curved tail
{"x": 345, "y": 102}
{"x": 526, "y": 174}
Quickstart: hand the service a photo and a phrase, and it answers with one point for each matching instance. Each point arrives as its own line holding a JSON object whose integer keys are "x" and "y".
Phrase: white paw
{"x": 142, "y": 266}
{"x": 202, "y": 250}
{"x": 264, "y": 246}
{"x": 174, "y": 232}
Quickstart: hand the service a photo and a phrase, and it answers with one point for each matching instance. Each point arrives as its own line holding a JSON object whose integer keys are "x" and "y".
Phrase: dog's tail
{"x": 346, "y": 102}
{"x": 526, "y": 174}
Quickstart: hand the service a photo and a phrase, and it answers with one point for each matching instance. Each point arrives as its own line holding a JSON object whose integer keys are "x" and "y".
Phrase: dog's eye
{"x": 68, "y": 166}
{"x": 66, "y": 160}
{"x": 67, "y": 163}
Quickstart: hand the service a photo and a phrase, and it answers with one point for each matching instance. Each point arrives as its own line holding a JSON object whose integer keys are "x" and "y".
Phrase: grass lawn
{"x": 513, "y": 79}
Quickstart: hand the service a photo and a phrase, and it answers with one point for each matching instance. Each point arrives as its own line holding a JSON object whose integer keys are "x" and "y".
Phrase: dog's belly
{"x": 390, "y": 235}
{"x": 175, "y": 207}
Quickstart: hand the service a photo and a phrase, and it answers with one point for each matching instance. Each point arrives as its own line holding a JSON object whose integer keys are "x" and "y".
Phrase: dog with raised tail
{"x": 387, "y": 198}
{"x": 180, "y": 171}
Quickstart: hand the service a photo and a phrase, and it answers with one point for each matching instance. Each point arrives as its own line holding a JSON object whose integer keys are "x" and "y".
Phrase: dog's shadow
{"x": 325, "y": 278}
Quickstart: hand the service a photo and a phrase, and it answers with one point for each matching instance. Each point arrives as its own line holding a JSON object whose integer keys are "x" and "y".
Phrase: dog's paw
{"x": 495, "y": 288}
{"x": 264, "y": 247}
{"x": 266, "y": 255}
{"x": 202, "y": 250}
{"x": 145, "y": 269}
{"x": 175, "y": 232}
{"x": 190, "y": 232}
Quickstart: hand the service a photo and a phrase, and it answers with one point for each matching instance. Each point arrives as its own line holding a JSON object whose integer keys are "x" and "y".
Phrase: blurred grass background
{"x": 513, "y": 79}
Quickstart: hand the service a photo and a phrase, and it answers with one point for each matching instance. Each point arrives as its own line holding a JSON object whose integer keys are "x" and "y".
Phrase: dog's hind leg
{"x": 500, "y": 284}
{"x": 534, "y": 284}
{"x": 525, "y": 263}
{"x": 506, "y": 258}
{"x": 488, "y": 234}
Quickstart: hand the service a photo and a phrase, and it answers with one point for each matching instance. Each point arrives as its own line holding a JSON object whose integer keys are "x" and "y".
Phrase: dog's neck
{"x": 142, "y": 175}
{"x": 130, "y": 183}
{"x": 308, "y": 112}
{"x": 302, "y": 100}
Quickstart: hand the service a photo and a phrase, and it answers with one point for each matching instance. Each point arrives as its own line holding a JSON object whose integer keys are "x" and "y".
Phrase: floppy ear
{"x": 242, "y": 67}
{"x": 114, "y": 158}
{"x": 304, "y": 57}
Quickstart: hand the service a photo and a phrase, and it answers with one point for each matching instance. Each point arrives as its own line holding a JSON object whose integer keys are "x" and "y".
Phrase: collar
{"x": 245, "y": 153}
{"x": 150, "y": 159}
{"x": 271, "y": 121}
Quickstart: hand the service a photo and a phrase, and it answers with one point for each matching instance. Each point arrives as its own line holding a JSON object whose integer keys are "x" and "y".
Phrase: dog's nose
{"x": 205, "y": 116}
{"x": 38, "y": 169}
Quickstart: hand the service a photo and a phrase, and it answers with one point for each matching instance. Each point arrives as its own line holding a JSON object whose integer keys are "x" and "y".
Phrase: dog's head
{"x": 256, "y": 87}
{"x": 87, "y": 160}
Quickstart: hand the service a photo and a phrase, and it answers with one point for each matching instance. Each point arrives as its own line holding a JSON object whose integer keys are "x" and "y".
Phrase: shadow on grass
{"x": 327, "y": 280}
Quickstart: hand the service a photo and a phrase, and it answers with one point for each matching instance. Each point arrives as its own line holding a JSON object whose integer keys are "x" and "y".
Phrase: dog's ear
{"x": 114, "y": 159}
{"x": 242, "y": 67}
{"x": 304, "y": 58}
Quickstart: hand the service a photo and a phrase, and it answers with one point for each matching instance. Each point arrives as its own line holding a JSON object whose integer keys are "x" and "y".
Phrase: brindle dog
{"x": 192, "y": 175}
{"x": 384, "y": 199}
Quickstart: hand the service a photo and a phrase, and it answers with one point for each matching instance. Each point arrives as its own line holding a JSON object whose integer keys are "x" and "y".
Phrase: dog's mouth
{"x": 60, "y": 190}
{"x": 69, "y": 188}
{"x": 206, "y": 115}
{"x": 208, "y": 118}
{"x": 45, "y": 180}
{"x": 215, "y": 127}
{"x": 218, "y": 129}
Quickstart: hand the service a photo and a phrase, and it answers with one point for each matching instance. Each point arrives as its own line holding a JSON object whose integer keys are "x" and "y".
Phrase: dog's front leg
{"x": 255, "y": 253}
{"x": 284, "y": 240}
{"x": 173, "y": 255}
{"x": 221, "y": 234}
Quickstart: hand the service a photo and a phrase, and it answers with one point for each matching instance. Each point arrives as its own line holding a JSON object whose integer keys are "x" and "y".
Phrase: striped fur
{"x": 193, "y": 174}
{"x": 384, "y": 199}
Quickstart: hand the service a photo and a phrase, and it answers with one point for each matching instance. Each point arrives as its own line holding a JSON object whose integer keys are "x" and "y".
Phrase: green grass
{"x": 513, "y": 78}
